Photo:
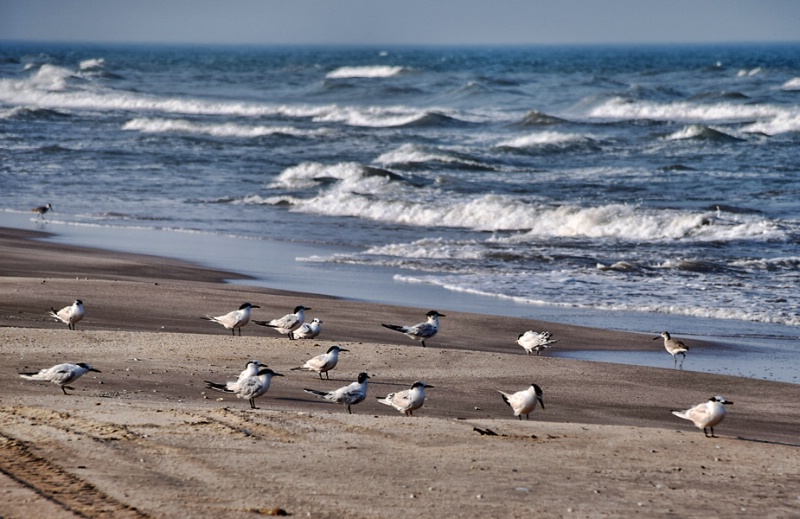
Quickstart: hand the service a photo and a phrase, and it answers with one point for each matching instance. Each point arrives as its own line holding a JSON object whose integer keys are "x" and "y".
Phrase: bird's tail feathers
{"x": 223, "y": 388}
{"x": 679, "y": 414}
{"x": 299, "y": 368}
{"x": 315, "y": 392}
{"x": 29, "y": 376}
{"x": 394, "y": 327}
{"x": 504, "y": 395}
{"x": 265, "y": 323}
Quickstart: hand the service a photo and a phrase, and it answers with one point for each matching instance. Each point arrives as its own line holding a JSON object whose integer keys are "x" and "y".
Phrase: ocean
{"x": 636, "y": 187}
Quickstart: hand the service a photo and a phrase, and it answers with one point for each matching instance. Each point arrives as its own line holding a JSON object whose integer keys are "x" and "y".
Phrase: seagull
{"x": 347, "y": 395}
{"x": 421, "y": 331}
{"x": 61, "y": 374}
{"x": 308, "y": 330}
{"x": 706, "y": 415}
{"x": 288, "y": 323}
{"x": 523, "y": 402}
{"x": 250, "y": 387}
{"x": 235, "y": 319}
{"x": 324, "y": 362}
{"x": 41, "y": 210}
{"x": 69, "y": 315}
{"x": 408, "y": 400}
{"x": 535, "y": 341}
{"x": 674, "y": 347}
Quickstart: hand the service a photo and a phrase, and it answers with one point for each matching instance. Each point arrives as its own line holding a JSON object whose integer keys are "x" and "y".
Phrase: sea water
{"x": 640, "y": 188}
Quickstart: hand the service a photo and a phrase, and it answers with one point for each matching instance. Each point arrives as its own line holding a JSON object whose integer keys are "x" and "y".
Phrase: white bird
{"x": 69, "y": 315}
{"x": 235, "y": 319}
{"x": 408, "y": 400}
{"x": 288, "y": 323}
{"x": 347, "y": 395}
{"x": 250, "y": 387}
{"x": 61, "y": 374}
{"x": 535, "y": 341}
{"x": 674, "y": 347}
{"x": 308, "y": 330}
{"x": 324, "y": 362}
{"x": 421, "y": 331}
{"x": 523, "y": 402}
{"x": 41, "y": 210}
{"x": 706, "y": 415}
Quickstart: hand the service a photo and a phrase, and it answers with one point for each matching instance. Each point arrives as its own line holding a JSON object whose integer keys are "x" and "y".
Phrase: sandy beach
{"x": 144, "y": 438}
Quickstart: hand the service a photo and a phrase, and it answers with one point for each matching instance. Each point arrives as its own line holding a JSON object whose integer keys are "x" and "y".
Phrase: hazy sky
{"x": 386, "y": 22}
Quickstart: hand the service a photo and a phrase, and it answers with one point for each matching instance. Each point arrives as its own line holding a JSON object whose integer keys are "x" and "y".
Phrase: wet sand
{"x": 145, "y": 438}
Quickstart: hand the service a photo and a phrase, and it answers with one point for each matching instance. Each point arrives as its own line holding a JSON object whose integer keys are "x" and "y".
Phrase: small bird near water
{"x": 324, "y": 362}
{"x": 408, "y": 400}
{"x": 347, "y": 395}
{"x": 421, "y": 331}
{"x": 706, "y": 415}
{"x": 235, "y": 319}
{"x": 523, "y": 402}
{"x": 41, "y": 210}
{"x": 287, "y": 324}
{"x": 674, "y": 347}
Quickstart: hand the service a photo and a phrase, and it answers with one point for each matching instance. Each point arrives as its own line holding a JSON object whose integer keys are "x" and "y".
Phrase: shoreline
{"x": 144, "y": 438}
{"x": 753, "y": 350}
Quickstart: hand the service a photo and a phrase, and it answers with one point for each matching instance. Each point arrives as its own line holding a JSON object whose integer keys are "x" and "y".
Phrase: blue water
{"x": 581, "y": 184}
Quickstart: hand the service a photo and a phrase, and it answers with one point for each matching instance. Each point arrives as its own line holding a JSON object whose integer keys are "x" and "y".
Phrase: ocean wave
{"x": 411, "y": 155}
{"x": 791, "y": 85}
{"x": 701, "y": 132}
{"x": 783, "y": 123}
{"x": 147, "y": 125}
{"x": 93, "y": 63}
{"x": 546, "y": 139}
{"x": 314, "y": 174}
{"x": 623, "y": 109}
{"x": 372, "y": 71}
{"x": 536, "y": 118}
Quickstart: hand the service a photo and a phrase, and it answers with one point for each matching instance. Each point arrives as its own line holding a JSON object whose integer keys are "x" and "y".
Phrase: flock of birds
{"x": 254, "y": 381}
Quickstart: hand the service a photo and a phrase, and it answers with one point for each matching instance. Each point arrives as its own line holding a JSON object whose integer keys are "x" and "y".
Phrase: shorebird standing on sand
{"x": 41, "y": 210}
{"x": 308, "y": 330}
{"x": 250, "y": 388}
{"x": 706, "y": 415}
{"x": 288, "y": 323}
{"x": 347, "y": 395}
{"x": 674, "y": 347}
{"x": 535, "y": 341}
{"x": 235, "y": 319}
{"x": 421, "y": 331}
{"x": 523, "y": 402}
{"x": 61, "y": 374}
{"x": 324, "y": 362}
{"x": 408, "y": 400}
{"x": 69, "y": 315}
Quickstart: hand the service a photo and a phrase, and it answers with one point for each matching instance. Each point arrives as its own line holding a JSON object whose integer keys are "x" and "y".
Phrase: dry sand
{"x": 144, "y": 438}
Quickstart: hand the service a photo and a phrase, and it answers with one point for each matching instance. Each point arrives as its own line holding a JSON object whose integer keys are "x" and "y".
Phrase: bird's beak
{"x": 277, "y": 374}
{"x": 97, "y": 370}
{"x": 254, "y": 306}
{"x": 343, "y": 349}
{"x": 656, "y": 338}
{"x": 541, "y": 402}
{"x": 442, "y": 315}
{"x": 728, "y": 402}
{"x": 427, "y": 386}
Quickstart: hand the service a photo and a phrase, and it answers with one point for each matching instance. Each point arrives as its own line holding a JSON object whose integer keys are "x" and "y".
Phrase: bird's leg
{"x": 519, "y": 416}
{"x": 327, "y": 377}
{"x": 320, "y": 374}
{"x": 348, "y": 409}
{"x": 252, "y": 403}
{"x": 64, "y": 390}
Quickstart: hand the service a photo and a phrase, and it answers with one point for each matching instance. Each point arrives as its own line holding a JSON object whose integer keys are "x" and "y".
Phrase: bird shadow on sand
{"x": 770, "y": 442}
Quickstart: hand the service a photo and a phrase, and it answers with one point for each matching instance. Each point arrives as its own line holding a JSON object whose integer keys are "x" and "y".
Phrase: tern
{"x": 61, "y": 374}
{"x": 535, "y": 341}
{"x": 674, "y": 347}
{"x": 308, "y": 330}
{"x": 347, "y": 395}
{"x": 233, "y": 320}
{"x": 421, "y": 331}
{"x": 706, "y": 415}
{"x": 250, "y": 387}
{"x": 288, "y": 323}
{"x": 69, "y": 315}
{"x": 523, "y": 402}
{"x": 250, "y": 369}
{"x": 324, "y": 362}
{"x": 408, "y": 400}
{"x": 41, "y": 210}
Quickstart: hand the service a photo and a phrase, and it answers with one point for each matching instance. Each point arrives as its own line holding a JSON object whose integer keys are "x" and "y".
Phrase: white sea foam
{"x": 149, "y": 125}
{"x": 792, "y": 84}
{"x": 544, "y": 139}
{"x": 418, "y": 154}
{"x": 374, "y": 71}
{"x": 93, "y": 63}
{"x": 619, "y": 108}
{"x": 783, "y": 123}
